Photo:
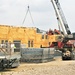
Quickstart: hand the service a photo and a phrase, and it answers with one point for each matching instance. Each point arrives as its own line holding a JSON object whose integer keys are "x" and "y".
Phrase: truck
{"x": 66, "y": 41}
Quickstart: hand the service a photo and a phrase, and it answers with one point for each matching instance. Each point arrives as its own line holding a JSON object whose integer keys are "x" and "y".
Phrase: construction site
{"x": 32, "y": 51}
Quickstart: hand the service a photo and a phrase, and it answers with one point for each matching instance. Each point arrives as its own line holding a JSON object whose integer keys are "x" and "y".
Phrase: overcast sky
{"x": 12, "y": 12}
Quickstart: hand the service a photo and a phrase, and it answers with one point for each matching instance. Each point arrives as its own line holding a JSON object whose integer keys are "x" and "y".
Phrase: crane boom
{"x": 60, "y": 17}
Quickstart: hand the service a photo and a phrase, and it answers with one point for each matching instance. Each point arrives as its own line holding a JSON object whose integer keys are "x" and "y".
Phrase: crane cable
{"x": 26, "y": 16}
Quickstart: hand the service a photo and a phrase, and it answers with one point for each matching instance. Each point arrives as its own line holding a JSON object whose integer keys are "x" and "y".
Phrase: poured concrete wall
{"x": 35, "y": 54}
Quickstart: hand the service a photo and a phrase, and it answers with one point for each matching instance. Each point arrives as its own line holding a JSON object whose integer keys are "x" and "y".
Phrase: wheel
{"x": 67, "y": 55}
{"x": 72, "y": 56}
{"x": 63, "y": 56}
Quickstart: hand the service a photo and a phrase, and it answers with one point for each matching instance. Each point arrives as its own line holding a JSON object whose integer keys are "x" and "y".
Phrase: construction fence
{"x": 37, "y": 54}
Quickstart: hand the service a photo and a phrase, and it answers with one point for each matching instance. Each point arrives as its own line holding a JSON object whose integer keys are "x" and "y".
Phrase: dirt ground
{"x": 55, "y": 67}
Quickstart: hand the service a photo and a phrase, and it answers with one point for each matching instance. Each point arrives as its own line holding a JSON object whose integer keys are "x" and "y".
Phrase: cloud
{"x": 12, "y": 12}
{"x": 68, "y": 8}
{"x": 4, "y": 6}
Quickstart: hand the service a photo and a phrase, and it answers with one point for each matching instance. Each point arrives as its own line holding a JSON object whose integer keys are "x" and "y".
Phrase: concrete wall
{"x": 41, "y": 54}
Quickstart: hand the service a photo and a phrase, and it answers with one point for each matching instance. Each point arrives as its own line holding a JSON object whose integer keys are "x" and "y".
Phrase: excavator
{"x": 66, "y": 41}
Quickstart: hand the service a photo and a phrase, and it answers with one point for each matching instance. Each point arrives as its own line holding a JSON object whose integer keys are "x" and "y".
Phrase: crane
{"x": 60, "y": 16}
{"x": 67, "y": 49}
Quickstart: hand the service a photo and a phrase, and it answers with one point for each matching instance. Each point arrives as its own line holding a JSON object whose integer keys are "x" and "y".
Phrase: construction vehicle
{"x": 66, "y": 40}
{"x": 8, "y": 58}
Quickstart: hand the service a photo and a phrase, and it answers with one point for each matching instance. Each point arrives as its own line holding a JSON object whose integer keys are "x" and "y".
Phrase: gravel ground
{"x": 56, "y": 67}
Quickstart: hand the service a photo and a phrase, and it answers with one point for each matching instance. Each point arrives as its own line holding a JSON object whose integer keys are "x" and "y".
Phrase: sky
{"x": 12, "y": 12}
